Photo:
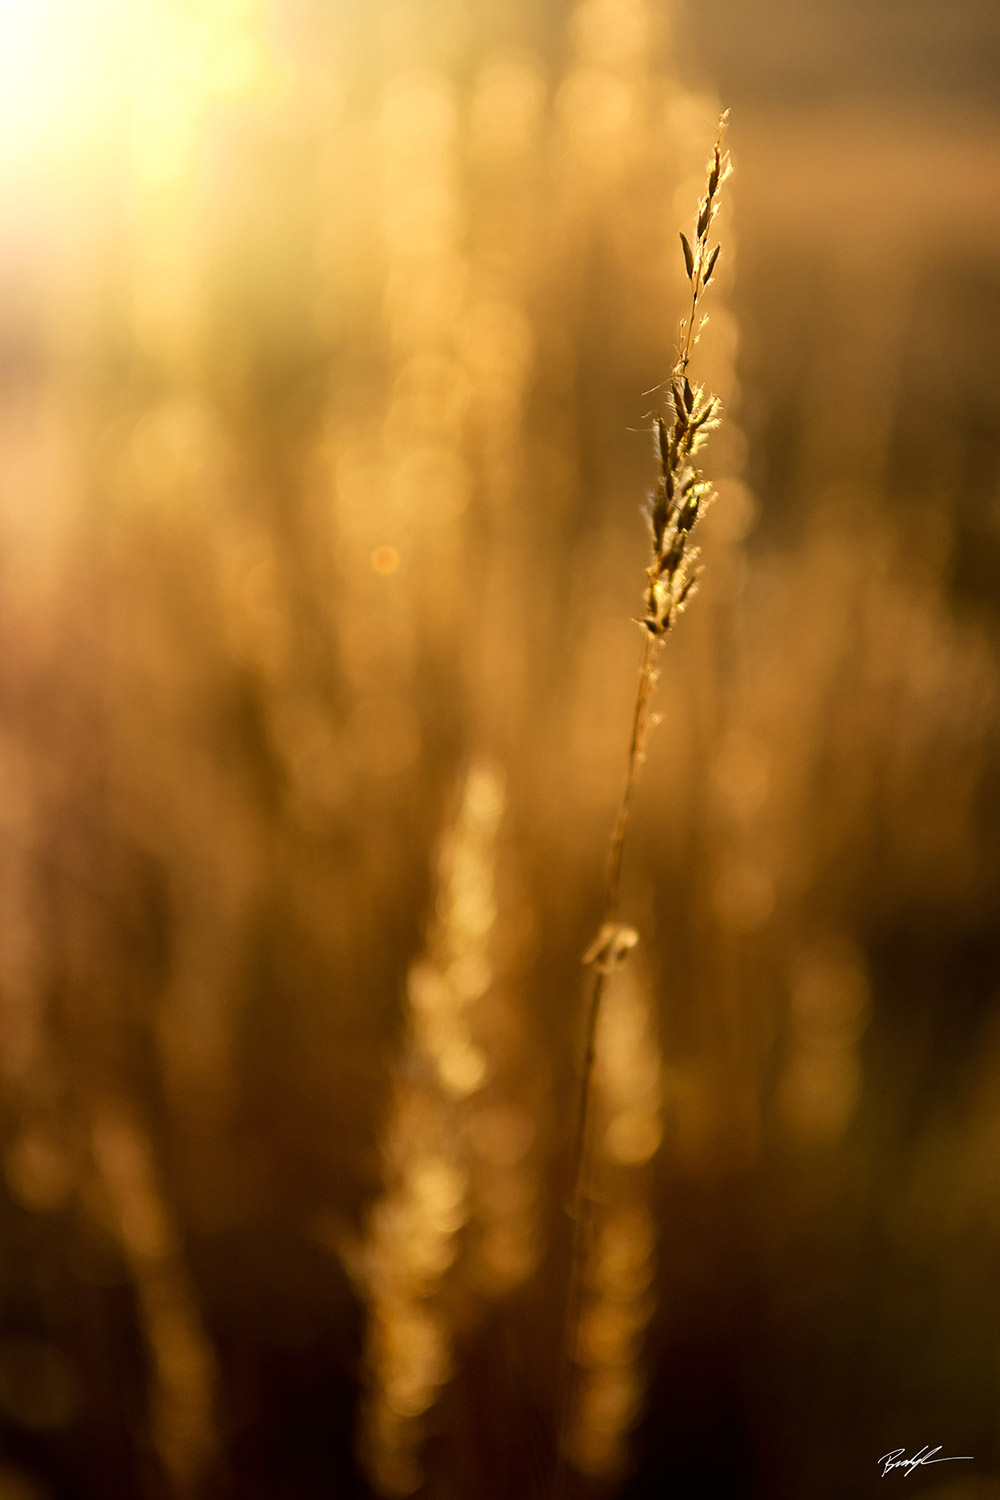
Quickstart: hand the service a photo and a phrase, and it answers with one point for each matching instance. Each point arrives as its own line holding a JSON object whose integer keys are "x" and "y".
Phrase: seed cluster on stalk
{"x": 682, "y": 493}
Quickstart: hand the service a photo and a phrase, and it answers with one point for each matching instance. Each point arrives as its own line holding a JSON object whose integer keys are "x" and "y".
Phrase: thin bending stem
{"x": 578, "y": 1206}
{"x": 610, "y": 902}
{"x": 640, "y": 721}
{"x": 679, "y": 498}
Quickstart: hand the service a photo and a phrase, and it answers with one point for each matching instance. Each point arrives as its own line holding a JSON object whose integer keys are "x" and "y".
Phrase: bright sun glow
{"x": 81, "y": 77}
{"x": 61, "y": 64}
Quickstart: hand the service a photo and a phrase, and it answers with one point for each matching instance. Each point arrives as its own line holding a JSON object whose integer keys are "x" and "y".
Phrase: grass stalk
{"x": 680, "y": 498}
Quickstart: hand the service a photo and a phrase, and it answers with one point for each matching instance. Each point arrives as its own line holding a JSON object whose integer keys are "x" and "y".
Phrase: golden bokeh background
{"x": 331, "y": 332}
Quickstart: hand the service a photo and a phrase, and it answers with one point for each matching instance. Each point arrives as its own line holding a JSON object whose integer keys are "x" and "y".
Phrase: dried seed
{"x": 662, "y": 441}
{"x": 673, "y": 558}
{"x": 713, "y": 176}
{"x": 689, "y": 586}
{"x": 658, "y": 514}
{"x": 688, "y": 256}
{"x": 688, "y": 515}
{"x": 711, "y": 265}
{"x": 680, "y": 405}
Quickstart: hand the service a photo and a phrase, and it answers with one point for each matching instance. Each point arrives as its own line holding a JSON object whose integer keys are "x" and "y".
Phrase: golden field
{"x": 331, "y": 341}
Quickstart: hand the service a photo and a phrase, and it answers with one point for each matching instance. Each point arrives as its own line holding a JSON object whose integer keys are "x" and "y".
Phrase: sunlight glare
{"x": 60, "y": 68}
{"x": 73, "y": 73}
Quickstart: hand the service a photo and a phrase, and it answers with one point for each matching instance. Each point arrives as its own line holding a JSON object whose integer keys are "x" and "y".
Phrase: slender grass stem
{"x": 679, "y": 500}
{"x": 578, "y": 1206}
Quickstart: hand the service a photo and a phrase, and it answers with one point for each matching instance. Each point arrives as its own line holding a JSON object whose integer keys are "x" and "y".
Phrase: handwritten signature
{"x": 897, "y": 1460}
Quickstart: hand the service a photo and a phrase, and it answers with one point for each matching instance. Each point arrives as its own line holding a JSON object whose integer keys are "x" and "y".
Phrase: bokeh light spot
{"x": 385, "y": 560}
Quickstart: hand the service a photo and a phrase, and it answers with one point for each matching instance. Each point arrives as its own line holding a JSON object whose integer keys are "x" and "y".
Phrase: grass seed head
{"x": 682, "y": 493}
